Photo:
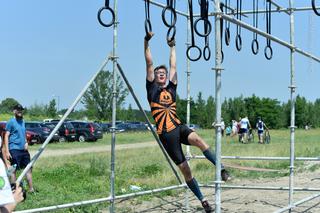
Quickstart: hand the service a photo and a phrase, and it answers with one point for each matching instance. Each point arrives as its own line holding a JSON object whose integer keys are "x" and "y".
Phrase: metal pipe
{"x": 114, "y": 107}
{"x": 259, "y": 158}
{"x": 148, "y": 122}
{"x": 279, "y": 7}
{"x": 273, "y": 38}
{"x": 298, "y": 203}
{"x": 218, "y": 69}
{"x": 292, "y": 98}
{"x": 164, "y": 6}
{"x": 286, "y": 10}
{"x": 188, "y": 104}
{"x": 100, "y": 200}
{"x": 66, "y": 114}
{"x": 279, "y": 188}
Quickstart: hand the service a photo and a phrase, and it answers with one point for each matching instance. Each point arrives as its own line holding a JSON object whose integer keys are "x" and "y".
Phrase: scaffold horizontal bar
{"x": 259, "y": 158}
{"x": 281, "y": 188}
{"x": 163, "y": 6}
{"x": 100, "y": 200}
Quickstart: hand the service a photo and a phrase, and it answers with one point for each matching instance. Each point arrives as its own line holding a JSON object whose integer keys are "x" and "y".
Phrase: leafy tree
{"x": 36, "y": 111}
{"x": 51, "y": 109}
{"x": 301, "y": 112}
{"x": 200, "y": 107}
{"x": 6, "y": 106}
{"x": 316, "y": 111}
{"x": 98, "y": 99}
{"x": 182, "y": 109}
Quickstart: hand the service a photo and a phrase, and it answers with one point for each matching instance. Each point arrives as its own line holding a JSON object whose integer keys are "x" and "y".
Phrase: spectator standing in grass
{"x": 260, "y": 127}
{"x": 223, "y": 126}
{"x": 162, "y": 100}
{"x": 234, "y": 128}
{"x": 244, "y": 128}
{"x": 15, "y": 149}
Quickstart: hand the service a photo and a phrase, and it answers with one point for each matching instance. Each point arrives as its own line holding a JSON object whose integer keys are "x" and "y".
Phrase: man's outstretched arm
{"x": 148, "y": 57}
{"x": 173, "y": 62}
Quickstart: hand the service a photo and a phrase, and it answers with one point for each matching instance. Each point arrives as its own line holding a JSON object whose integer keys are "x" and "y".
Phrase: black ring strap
{"x": 227, "y": 36}
{"x": 255, "y": 43}
{"x": 173, "y": 31}
{"x": 147, "y": 22}
{"x": 266, "y": 54}
{"x": 206, "y": 53}
{"x": 192, "y": 46}
{"x": 171, "y": 8}
{"x": 255, "y": 46}
{"x": 106, "y": 7}
{"x": 238, "y": 36}
{"x": 268, "y": 29}
{"x": 227, "y": 29}
{"x": 204, "y": 9}
{"x": 238, "y": 42}
{"x": 314, "y": 7}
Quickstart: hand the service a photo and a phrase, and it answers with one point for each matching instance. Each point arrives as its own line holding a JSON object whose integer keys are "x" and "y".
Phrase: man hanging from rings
{"x": 172, "y": 133}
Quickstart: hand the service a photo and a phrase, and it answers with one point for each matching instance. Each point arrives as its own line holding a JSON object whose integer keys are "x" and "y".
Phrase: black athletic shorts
{"x": 20, "y": 157}
{"x": 172, "y": 142}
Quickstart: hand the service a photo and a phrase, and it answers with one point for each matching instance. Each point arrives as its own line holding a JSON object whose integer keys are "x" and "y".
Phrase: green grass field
{"x": 84, "y": 177}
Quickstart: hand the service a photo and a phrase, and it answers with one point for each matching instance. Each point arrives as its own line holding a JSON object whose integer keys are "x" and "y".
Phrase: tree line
{"x": 97, "y": 105}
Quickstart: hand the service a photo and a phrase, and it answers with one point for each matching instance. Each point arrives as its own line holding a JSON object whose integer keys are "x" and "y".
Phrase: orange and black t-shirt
{"x": 163, "y": 106}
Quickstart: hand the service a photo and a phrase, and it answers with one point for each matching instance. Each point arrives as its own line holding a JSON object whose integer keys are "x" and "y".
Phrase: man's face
{"x": 18, "y": 113}
{"x": 160, "y": 76}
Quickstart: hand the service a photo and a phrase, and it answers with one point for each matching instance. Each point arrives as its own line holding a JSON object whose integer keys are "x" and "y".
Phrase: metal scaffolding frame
{"x": 218, "y": 69}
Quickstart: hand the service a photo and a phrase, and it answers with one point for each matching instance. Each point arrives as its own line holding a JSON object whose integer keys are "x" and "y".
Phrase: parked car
{"x": 105, "y": 126}
{"x": 2, "y": 128}
{"x": 87, "y": 131}
{"x": 137, "y": 126}
{"x": 43, "y": 131}
{"x": 132, "y": 126}
{"x": 32, "y": 137}
{"x": 66, "y": 131}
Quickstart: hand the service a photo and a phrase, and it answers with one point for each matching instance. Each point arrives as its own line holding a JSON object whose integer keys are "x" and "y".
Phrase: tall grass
{"x": 83, "y": 177}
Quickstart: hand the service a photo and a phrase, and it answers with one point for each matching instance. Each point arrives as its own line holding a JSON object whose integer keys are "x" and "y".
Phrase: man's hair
{"x": 162, "y": 66}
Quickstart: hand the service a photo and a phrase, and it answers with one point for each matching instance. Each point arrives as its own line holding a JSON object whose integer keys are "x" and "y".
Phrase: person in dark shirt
{"x": 162, "y": 100}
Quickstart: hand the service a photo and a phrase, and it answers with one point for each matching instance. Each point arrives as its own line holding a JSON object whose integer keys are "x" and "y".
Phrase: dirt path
{"x": 236, "y": 200}
{"x": 92, "y": 149}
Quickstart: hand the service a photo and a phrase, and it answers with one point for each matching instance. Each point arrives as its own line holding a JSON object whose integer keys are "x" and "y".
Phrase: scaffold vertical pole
{"x": 292, "y": 98}
{"x": 218, "y": 107}
{"x": 114, "y": 107}
{"x": 188, "y": 105}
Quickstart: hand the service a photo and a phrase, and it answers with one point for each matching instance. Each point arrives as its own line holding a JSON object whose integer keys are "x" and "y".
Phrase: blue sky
{"x": 52, "y": 48}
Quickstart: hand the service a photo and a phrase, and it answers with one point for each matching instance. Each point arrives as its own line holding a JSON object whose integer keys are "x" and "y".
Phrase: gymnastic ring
{"x": 147, "y": 26}
{"x": 238, "y": 42}
{"x": 266, "y": 54}
{"x": 313, "y": 3}
{"x": 227, "y": 36}
{"x": 173, "y": 29}
{"x": 222, "y": 56}
{"x": 206, "y": 53}
{"x": 206, "y": 22}
{"x": 188, "y": 53}
{"x": 112, "y": 14}
{"x": 255, "y": 46}
{"x": 173, "y": 22}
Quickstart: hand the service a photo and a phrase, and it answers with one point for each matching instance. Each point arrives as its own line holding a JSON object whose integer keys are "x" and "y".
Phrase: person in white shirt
{"x": 234, "y": 128}
{"x": 244, "y": 127}
{"x": 8, "y": 198}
